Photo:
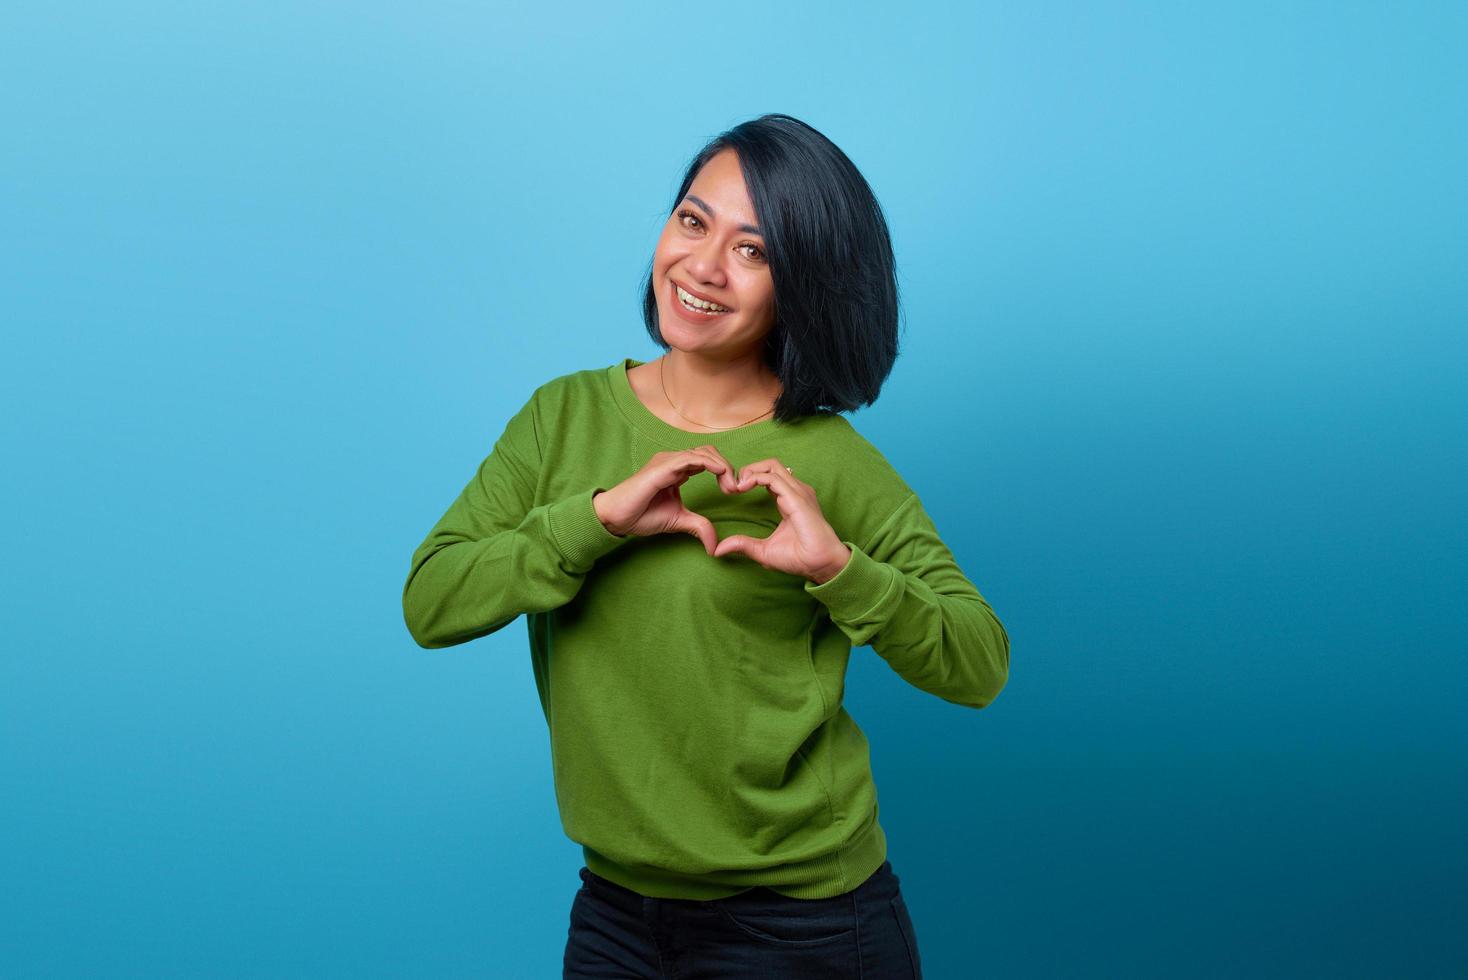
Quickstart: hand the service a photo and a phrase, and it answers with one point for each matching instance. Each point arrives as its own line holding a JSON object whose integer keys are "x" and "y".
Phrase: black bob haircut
{"x": 834, "y": 339}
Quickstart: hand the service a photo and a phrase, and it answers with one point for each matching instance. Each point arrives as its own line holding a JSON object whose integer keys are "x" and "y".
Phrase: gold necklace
{"x": 661, "y": 362}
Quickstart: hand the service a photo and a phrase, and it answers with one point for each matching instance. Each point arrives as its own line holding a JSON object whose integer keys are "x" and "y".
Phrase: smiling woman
{"x": 774, "y": 224}
{"x": 698, "y": 542}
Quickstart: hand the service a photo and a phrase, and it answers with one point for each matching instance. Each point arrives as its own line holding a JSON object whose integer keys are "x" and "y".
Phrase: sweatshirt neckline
{"x": 660, "y": 431}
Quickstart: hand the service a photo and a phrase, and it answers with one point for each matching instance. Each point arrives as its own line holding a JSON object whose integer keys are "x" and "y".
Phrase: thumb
{"x": 741, "y": 544}
{"x": 700, "y": 527}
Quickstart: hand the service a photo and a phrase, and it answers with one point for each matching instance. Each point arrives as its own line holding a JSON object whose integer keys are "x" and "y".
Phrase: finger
{"x": 754, "y": 467}
{"x": 695, "y": 525}
{"x": 676, "y": 470}
{"x": 741, "y": 544}
{"x": 770, "y": 465}
{"x": 703, "y": 529}
{"x": 727, "y": 477}
{"x": 789, "y": 498}
{"x": 718, "y": 465}
{"x": 690, "y": 461}
{"x": 772, "y": 474}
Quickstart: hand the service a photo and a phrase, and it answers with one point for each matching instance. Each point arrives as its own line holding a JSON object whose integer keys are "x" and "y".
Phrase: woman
{"x": 722, "y": 795}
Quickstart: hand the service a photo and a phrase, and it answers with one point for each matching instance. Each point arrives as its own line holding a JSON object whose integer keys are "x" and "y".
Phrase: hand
{"x": 804, "y": 543}
{"x": 648, "y": 501}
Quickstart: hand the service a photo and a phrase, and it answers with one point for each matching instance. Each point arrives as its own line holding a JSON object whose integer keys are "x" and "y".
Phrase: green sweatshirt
{"x": 697, "y": 735}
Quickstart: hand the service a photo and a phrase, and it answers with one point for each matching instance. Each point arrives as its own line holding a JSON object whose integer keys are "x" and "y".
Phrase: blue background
{"x": 1182, "y": 383}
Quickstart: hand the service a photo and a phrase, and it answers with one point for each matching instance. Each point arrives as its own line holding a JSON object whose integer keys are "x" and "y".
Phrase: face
{"x": 708, "y": 249}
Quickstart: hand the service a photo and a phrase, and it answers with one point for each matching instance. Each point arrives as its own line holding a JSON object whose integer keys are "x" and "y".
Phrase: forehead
{"x": 721, "y": 183}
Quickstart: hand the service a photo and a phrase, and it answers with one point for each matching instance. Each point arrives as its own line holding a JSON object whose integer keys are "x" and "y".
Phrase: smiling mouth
{"x": 679, "y": 293}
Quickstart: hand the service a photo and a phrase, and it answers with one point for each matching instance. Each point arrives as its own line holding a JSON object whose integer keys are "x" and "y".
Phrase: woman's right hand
{"x": 648, "y": 501}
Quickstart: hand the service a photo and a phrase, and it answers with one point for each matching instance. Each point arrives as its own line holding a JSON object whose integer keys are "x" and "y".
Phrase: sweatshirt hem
{"x": 832, "y": 874}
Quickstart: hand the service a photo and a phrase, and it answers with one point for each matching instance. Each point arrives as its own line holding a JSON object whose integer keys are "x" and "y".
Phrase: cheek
{"x": 761, "y": 295}
{"x": 666, "y": 254}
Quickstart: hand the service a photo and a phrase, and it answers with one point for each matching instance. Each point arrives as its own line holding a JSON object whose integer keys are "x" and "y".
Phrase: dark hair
{"x": 834, "y": 339}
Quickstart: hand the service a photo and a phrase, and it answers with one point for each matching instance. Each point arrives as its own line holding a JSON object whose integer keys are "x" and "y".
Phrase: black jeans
{"x": 865, "y": 934}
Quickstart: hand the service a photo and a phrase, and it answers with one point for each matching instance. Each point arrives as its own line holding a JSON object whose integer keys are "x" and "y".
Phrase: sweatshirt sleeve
{"x": 494, "y": 555}
{"x": 905, "y": 596}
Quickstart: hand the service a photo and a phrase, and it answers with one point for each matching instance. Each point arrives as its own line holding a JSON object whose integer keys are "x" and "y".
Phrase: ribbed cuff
{"x": 578, "y": 533}
{"x": 855, "y": 590}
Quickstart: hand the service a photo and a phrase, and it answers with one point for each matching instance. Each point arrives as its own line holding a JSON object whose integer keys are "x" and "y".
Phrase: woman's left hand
{"x": 804, "y": 543}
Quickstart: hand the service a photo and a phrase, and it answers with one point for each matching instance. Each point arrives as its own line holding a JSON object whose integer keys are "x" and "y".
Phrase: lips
{"x": 697, "y": 295}
{"x": 688, "y": 314}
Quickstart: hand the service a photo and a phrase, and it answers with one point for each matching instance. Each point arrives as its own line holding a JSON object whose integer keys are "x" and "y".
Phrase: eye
{"x": 685, "y": 213}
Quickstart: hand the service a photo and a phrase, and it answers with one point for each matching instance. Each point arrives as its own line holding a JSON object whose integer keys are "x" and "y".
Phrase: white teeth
{"x": 690, "y": 300}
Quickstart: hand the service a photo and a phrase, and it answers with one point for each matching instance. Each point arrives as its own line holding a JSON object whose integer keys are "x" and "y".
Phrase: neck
{"x": 719, "y": 392}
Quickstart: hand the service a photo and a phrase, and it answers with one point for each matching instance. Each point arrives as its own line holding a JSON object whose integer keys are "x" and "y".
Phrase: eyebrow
{"x": 703, "y": 204}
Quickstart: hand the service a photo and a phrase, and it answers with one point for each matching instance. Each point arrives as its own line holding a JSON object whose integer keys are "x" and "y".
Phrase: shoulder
{"x": 571, "y": 381}
{"x": 571, "y": 389}
{"x": 852, "y": 474}
{"x": 554, "y": 401}
{"x": 859, "y": 456}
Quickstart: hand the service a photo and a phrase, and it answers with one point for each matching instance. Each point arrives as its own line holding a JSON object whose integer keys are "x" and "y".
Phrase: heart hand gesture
{"x": 648, "y": 502}
{"x": 804, "y": 543}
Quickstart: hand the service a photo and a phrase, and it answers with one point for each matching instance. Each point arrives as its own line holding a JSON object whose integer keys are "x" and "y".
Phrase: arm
{"x": 905, "y": 596}
{"x": 493, "y": 556}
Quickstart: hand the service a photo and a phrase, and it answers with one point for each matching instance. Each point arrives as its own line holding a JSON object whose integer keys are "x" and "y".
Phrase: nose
{"x": 705, "y": 262}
